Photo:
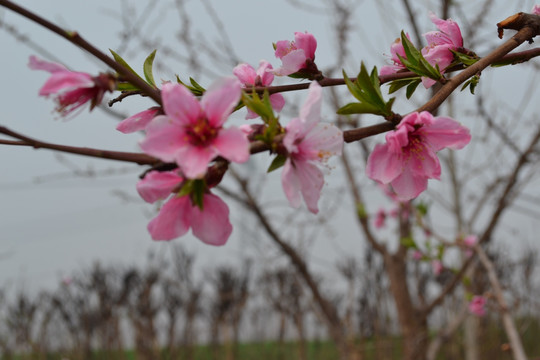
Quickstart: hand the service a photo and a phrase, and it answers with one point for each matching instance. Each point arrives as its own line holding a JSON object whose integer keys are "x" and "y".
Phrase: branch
{"x": 75, "y": 38}
{"x": 523, "y": 35}
{"x": 141, "y": 159}
{"x": 509, "y": 326}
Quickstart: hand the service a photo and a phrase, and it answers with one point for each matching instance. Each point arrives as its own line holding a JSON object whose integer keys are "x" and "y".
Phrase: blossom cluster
{"x": 189, "y": 130}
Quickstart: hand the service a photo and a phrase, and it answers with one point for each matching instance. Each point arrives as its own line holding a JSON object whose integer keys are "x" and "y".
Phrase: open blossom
{"x": 440, "y": 43}
{"x": 477, "y": 306}
{"x": 296, "y": 55}
{"x": 191, "y": 133}
{"x": 437, "y": 267}
{"x": 138, "y": 121}
{"x": 408, "y": 158}
{"x": 72, "y": 89}
{"x": 262, "y": 77}
{"x": 210, "y": 224}
{"x": 536, "y": 10}
{"x": 309, "y": 143}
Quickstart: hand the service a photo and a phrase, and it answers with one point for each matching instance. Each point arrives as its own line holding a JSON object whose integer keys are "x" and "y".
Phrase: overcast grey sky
{"x": 52, "y": 222}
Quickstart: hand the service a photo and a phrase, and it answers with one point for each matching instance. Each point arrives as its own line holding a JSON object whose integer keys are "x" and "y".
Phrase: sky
{"x": 53, "y": 222}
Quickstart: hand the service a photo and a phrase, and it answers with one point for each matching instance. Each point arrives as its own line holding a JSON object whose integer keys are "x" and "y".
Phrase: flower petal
{"x": 446, "y": 132}
{"x": 408, "y": 186}
{"x": 157, "y": 185}
{"x": 194, "y": 160}
{"x": 66, "y": 80}
{"x": 245, "y": 73}
{"x": 291, "y": 184}
{"x": 232, "y": 144}
{"x": 172, "y": 220}
{"x": 220, "y": 100}
{"x": 306, "y": 42}
{"x": 211, "y": 225}
{"x": 38, "y": 64}
{"x": 180, "y": 104}
{"x": 311, "y": 110}
{"x": 163, "y": 138}
{"x": 311, "y": 182}
{"x": 383, "y": 165}
{"x": 291, "y": 63}
{"x": 265, "y": 73}
{"x": 138, "y": 121}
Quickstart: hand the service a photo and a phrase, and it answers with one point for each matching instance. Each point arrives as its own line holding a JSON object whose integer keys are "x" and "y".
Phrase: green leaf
{"x": 471, "y": 83}
{"x": 195, "y": 88}
{"x": 415, "y": 61}
{"x": 412, "y": 87}
{"x": 422, "y": 208}
{"x": 125, "y": 86}
{"x": 398, "y": 84}
{"x": 408, "y": 242}
{"x": 465, "y": 59}
{"x": 197, "y": 196}
{"x": 261, "y": 107}
{"x": 122, "y": 62}
{"x": 278, "y": 162}
{"x": 366, "y": 89}
{"x": 147, "y": 68}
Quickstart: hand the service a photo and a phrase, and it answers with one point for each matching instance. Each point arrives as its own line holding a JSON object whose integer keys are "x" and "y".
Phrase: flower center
{"x": 201, "y": 132}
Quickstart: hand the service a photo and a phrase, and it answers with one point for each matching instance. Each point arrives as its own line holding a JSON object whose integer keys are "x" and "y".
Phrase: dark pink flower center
{"x": 201, "y": 132}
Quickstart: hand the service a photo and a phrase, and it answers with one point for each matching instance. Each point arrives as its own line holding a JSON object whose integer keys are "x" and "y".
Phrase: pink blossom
{"x": 417, "y": 255}
{"x": 408, "y": 158}
{"x": 536, "y": 10}
{"x": 309, "y": 143}
{"x": 396, "y": 49}
{"x": 138, "y": 121}
{"x": 72, "y": 89}
{"x": 380, "y": 219}
{"x": 437, "y": 267}
{"x": 262, "y": 77}
{"x": 191, "y": 133}
{"x": 440, "y": 43}
{"x": 296, "y": 55}
{"x": 470, "y": 241}
{"x": 477, "y": 306}
{"x": 210, "y": 224}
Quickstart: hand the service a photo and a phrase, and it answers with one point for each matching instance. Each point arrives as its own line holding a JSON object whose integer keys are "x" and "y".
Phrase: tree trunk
{"x": 413, "y": 325}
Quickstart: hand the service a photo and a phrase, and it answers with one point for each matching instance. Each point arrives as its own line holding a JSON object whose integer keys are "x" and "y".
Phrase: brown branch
{"x": 523, "y": 35}
{"x": 76, "y": 39}
{"x": 141, "y": 159}
{"x": 509, "y": 326}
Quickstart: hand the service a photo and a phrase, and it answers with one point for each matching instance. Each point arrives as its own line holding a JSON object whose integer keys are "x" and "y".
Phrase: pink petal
{"x": 232, "y": 144}
{"x": 163, "y": 138}
{"x": 265, "y": 73}
{"x": 407, "y": 186}
{"x": 446, "y": 132}
{"x": 536, "y": 10}
{"x": 390, "y": 69}
{"x": 194, "y": 160}
{"x": 220, "y": 100}
{"x": 439, "y": 55}
{"x": 427, "y": 82}
{"x": 172, "y": 220}
{"x": 291, "y": 184}
{"x": 211, "y": 225}
{"x": 277, "y": 101}
{"x": 138, "y": 121}
{"x": 291, "y": 63}
{"x": 180, "y": 104}
{"x": 245, "y": 73}
{"x": 323, "y": 141}
{"x": 311, "y": 183}
{"x": 296, "y": 129}
{"x": 449, "y": 27}
{"x": 423, "y": 162}
{"x": 311, "y": 110}
{"x": 38, "y": 64}
{"x": 283, "y": 47}
{"x": 306, "y": 42}
{"x": 158, "y": 185}
{"x": 383, "y": 165}
{"x": 66, "y": 80}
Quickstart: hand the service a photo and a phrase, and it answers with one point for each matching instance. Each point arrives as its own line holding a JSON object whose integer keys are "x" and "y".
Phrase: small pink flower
{"x": 138, "y": 121}
{"x": 417, "y": 255}
{"x": 191, "y": 133}
{"x": 210, "y": 224}
{"x": 380, "y": 219}
{"x": 296, "y": 55}
{"x": 437, "y": 267}
{"x": 477, "y": 306}
{"x": 72, "y": 89}
{"x": 262, "y": 77}
{"x": 536, "y": 10}
{"x": 409, "y": 159}
{"x": 308, "y": 143}
{"x": 470, "y": 241}
{"x": 437, "y": 52}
